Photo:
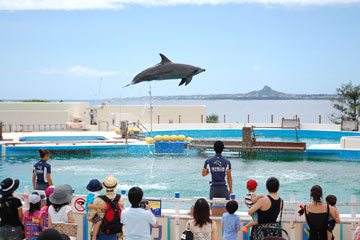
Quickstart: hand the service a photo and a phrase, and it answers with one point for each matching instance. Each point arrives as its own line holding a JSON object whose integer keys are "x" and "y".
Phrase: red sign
{"x": 79, "y": 204}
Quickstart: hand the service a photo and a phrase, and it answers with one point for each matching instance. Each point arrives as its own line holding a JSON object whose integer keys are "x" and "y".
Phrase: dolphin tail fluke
{"x": 127, "y": 85}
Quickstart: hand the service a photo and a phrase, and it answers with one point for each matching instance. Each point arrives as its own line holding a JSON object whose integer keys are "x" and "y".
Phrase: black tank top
{"x": 318, "y": 224}
{"x": 270, "y": 215}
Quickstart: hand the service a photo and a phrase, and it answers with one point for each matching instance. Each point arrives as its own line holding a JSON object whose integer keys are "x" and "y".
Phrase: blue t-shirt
{"x": 217, "y": 166}
{"x": 231, "y": 222}
{"x": 41, "y": 168}
{"x": 137, "y": 223}
{"x": 90, "y": 199}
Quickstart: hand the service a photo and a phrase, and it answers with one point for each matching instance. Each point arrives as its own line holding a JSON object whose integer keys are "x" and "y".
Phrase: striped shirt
{"x": 248, "y": 200}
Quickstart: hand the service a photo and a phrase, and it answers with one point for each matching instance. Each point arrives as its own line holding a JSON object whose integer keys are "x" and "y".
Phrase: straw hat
{"x": 8, "y": 186}
{"x": 62, "y": 194}
{"x": 110, "y": 183}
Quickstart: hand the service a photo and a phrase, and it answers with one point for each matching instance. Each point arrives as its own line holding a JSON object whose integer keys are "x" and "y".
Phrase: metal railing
{"x": 34, "y": 127}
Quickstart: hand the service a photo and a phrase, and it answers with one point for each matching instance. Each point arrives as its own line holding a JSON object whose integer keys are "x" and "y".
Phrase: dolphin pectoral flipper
{"x": 183, "y": 80}
{"x": 186, "y": 80}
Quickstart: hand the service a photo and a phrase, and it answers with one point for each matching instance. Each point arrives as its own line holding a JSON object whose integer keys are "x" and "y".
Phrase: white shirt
{"x": 137, "y": 223}
{"x": 61, "y": 215}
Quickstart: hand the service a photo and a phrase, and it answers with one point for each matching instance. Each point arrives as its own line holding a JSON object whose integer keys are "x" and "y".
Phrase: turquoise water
{"x": 162, "y": 175}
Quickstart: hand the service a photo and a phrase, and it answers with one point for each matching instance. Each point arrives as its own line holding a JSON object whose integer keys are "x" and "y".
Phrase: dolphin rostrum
{"x": 167, "y": 70}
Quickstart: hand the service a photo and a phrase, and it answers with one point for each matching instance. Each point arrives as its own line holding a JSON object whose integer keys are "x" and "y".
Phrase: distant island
{"x": 267, "y": 93}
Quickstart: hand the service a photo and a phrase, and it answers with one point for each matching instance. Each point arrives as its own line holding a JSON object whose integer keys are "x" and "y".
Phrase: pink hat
{"x": 251, "y": 184}
{"x": 49, "y": 191}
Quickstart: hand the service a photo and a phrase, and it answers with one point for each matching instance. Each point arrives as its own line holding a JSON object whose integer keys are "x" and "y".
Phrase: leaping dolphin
{"x": 167, "y": 70}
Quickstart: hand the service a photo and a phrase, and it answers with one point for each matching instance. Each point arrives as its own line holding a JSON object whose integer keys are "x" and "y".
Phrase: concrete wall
{"x": 162, "y": 114}
{"x": 19, "y": 113}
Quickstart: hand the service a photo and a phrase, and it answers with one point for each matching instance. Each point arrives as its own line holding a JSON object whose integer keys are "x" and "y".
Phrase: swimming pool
{"x": 162, "y": 175}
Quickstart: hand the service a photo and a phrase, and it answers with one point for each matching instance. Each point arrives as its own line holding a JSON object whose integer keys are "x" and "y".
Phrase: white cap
{"x": 34, "y": 198}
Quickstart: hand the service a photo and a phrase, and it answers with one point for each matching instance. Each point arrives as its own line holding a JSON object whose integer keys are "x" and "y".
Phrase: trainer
{"x": 219, "y": 167}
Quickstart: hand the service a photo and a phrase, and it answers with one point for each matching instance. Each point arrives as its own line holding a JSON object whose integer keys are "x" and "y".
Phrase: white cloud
{"x": 85, "y": 71}
{"x": 255, "y": 68}
{"x": 14, "y": 5}
{"x": 78, "y": 71}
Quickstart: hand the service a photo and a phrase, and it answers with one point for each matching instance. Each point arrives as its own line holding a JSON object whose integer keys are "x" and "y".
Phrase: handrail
{"x": 34, "y": 127}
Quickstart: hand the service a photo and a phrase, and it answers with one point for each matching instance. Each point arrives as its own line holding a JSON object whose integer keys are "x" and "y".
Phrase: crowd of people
{"x": 107, "y": 214}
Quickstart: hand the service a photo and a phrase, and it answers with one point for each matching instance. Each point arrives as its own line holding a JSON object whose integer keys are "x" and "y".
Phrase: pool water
{"x": 163, "y": 175}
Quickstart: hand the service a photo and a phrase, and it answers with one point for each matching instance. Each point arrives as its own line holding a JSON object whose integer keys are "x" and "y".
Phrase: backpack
{"x": 111, "y": 220}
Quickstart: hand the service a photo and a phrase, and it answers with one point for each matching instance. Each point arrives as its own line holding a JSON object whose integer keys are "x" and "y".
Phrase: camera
{"x": 143, "y": 203}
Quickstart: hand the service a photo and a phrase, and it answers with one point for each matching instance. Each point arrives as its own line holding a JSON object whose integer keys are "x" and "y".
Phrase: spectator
{"x": 32, "y": 218}
{"x": 331, "y": 200}
{"x": 94, "y": 187}
{"x": 268, "y": 209}
{"x": 137, "y": 220}
{"x": 41, "y": 173}
{"x": 10, "y": 211}
{"x": 60, "y": 210}
{"x": 317, "y": 215}
{"x": 201, "y": 225}
{"x": 230, "y": 222}
{"x": 52, "y": 234}
{"x": 45, "y": 209}
{"x": 219, "y": 168}
{"x": 110, "y": 183}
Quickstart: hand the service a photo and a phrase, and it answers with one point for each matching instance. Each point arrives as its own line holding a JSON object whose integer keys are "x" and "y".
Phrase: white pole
{"x": 177, "y": 220}
{"x": 151, "y": 111}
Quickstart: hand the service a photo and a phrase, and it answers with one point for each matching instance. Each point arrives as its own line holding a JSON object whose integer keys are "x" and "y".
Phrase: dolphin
{"x": 167, "y": 70}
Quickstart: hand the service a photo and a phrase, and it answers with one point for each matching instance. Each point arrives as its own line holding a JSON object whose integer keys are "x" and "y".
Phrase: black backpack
{"x": 111, "y": 220}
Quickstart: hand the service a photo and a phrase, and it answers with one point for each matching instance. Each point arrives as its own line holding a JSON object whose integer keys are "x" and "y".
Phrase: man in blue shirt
{"x": 41, "y": 172}
{"x": 219, "y": 167}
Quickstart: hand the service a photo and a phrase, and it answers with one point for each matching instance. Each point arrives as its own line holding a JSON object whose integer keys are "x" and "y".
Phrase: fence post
{"x": 1, "y": 130}
{"x": 272, "y": 118}
{"x": 224, "y": 118}
{"x": 320, "y": 119}
{"x": 177, "y": 220}
{"x": 158, "y": 119}
{"x": 353, "y": 208}
{"x": 179, "y": 119}
{"x": 248, "y": 118}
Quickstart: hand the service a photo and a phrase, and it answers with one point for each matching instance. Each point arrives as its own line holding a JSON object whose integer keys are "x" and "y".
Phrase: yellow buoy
{"x": 189, "y": 139}
{"x": 173, "y": 138}
{"x": 158, "y": 138}
{"x": 181, "y": 138}
{"x": 136, "y": 129}
{"x": 149, "y": 140}
{"x": 130, "y": 129}
{"x": 117, "y": 131}
{"x": 166, "y": 138}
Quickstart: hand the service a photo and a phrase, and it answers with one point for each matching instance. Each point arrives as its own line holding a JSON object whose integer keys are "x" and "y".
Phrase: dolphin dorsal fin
{"x": 164, "y": 59}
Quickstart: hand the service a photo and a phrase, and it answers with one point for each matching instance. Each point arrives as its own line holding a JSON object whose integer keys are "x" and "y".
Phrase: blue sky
{"x": 60, "y": 51}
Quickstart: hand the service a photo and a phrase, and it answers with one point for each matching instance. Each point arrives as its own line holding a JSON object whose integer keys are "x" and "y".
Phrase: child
{"x": 251, "y": 199}
{"x": 44, "y": 209}
{"x": 94, "y": 187}
{"x": 32, "y": 218}
{"x": 230, "y": 222}
{"x": 331, "y": 200}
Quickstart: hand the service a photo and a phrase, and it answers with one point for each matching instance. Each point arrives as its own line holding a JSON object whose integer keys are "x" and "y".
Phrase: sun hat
{"x": 34, "y": 198}
{"x": 251, "y": 184}
{"x": 110, "y": 183}
{"x": 94, "y": 185}
{"x": 49, "y": 191}
{"x": 62, "y": 194}
{"x": 52, "y": 234}
{"x": 8, "y": 186}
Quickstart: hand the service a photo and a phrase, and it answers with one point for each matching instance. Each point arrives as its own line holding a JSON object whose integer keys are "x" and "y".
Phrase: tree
{"x": 213, "y": 118}
{"x": 347, "y": 103}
